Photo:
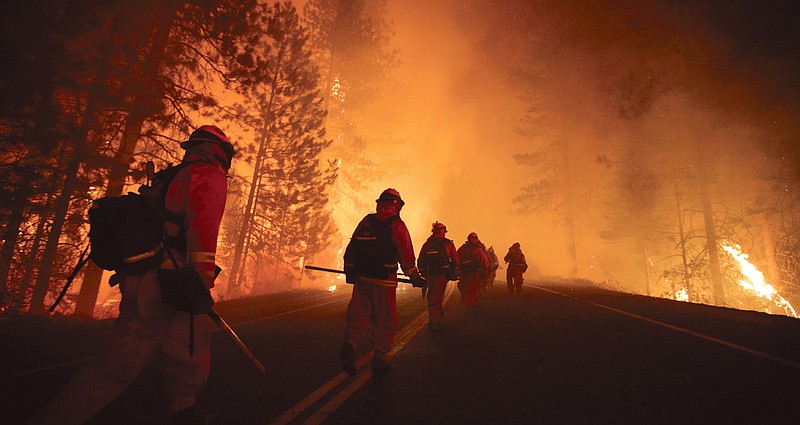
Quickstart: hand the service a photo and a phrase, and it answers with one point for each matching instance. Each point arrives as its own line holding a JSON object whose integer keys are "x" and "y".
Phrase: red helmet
{"x": 211, "y": 134}
{"x": 391, "y": 195}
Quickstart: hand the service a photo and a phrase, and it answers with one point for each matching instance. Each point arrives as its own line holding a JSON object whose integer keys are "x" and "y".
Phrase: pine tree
{"x": 272, "y": 69}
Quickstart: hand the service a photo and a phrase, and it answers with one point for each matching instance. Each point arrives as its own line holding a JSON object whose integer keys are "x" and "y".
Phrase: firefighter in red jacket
{"x": 517, "y": 265}
{"x": 380, "y": 241}
{"x": 150, "y": 328}
{"x": 438, "y": 263}
{"x": 474, "y": 266}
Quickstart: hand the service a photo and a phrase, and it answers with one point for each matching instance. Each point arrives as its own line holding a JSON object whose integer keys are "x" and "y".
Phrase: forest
{"x": 96, "y": 89}
{"x": 648, "y": 147}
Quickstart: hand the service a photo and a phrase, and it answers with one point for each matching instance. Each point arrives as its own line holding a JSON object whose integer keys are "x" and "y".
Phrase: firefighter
{"x": 517, "y": 265}
{"x": 438, "y": 264}
{"x": 474, "y": 265}
{"x": 149, "y": 328}
{"x": 485, "y": 274}
{"x": 494, "y": 263}
{"x": 379, "y": 242}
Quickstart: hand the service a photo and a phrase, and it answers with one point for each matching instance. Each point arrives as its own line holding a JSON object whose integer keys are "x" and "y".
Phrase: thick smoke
{"x": 652, "y": 82}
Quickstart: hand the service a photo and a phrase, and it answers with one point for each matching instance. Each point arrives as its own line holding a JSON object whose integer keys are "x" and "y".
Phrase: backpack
{"x": 126, "y": 233}
{"x": 371, "y": 251}
{"x": 434, "y": 258}
{"x": 469, "y": 261}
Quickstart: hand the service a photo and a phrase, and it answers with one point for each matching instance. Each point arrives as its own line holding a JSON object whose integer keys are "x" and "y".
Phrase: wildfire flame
{"x": 754, "y": 280}
{"x": 331, "y": 288}
{"x": 682, "y": 295}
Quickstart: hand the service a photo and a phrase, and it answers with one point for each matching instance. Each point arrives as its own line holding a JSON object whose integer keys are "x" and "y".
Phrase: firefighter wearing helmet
{"x": 379, "y": 242}
{"x": 438, "y": 263}
{"x": 474, "y": 265}
{"x": 517, "y": 265}
{"x": 152, "y": 328}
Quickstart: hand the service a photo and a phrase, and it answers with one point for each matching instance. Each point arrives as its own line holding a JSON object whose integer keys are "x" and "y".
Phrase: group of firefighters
{"x": 381, "y": 241}
{"x": 472, "y": 265}
{"x": 150, "y": 328}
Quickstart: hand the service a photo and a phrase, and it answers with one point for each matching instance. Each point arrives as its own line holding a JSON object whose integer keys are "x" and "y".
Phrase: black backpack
{"x": 126, "y": 233}
{"x": 434, "y": 258}
{"x": 371, "y": 251}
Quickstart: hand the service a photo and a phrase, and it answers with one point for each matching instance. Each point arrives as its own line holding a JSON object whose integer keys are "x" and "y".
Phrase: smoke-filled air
{"x": 648, "y": 147}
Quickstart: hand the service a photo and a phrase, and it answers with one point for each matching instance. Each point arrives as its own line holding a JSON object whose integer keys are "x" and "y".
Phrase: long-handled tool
{"x": 323, "y": 269}
{"x": 223, "y": 326}
{"x": 399, "y": 279}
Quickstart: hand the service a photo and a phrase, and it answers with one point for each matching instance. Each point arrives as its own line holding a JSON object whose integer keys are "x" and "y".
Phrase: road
{"x": 559, "y": 353}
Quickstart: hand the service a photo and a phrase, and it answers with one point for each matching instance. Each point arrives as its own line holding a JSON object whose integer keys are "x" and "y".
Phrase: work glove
{"x": 419, "y": 282}
{"x": 185, "y": 289}
{"x": 349, "y": 274}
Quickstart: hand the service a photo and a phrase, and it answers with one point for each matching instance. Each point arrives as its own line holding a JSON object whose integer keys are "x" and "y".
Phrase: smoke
{"x": 481, "y": 81}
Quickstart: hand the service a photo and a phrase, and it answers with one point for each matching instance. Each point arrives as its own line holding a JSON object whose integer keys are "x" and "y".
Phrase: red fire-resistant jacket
{"x": 198, "y": 194}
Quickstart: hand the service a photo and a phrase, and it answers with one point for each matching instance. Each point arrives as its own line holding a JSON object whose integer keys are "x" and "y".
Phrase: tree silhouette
{"x": 282, "y": 104}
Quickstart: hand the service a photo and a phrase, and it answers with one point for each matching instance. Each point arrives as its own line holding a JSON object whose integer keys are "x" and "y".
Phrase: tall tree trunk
{"x": 30, "y": 265}
{"x": 61, "y": 208}
{"x": 16, "y": 217}
{"x": 70, "y": 180}
{"x": 243, "y": 239}
{"x": 238, "y": 258}
{"x": 685, "y": 262}
{"x": 90, "y": 287}
{"x": 92, "y": 277}
{"x": 714, "y": 272}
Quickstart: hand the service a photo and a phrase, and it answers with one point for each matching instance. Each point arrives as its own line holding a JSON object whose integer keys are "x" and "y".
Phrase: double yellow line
{"x": 322, "y": 413}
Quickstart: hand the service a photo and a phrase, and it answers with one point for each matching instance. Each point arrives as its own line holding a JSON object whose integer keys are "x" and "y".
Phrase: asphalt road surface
{"x": 559, "y": 353}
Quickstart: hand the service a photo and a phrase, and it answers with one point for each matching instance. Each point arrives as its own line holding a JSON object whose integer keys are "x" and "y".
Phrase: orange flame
{"x": 754, "y": 280}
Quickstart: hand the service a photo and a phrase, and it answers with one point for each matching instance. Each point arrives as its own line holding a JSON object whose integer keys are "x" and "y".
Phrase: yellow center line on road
{"x": 322, "y": 413}
{"x": 325, "y": 411}
{"x": 761, "y": 354}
